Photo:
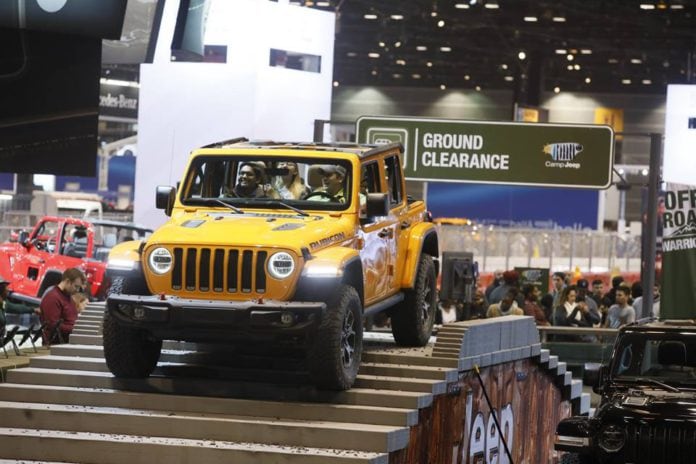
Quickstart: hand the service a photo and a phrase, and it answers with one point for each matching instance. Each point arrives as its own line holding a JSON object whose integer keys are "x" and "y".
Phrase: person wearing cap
{"x": 58, "y": 308}
{"x": 332, "y": 177}
{"x": 251, "y": 183}
{"x": 7, "y": 306}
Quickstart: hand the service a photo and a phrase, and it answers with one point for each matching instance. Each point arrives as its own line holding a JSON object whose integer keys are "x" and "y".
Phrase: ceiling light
{"x": 335, "y": 83}
{"x": 443, "y": 86}
{"x": 445, "y": 49}
{"x": 373, "y": 55}
{"x": 370, "y": 16}
{"x": 661, "y": 5}
{"x": 576, "y": 67}
{"x": 478, "y": 88}
{"x": 569, "y": 67}
{"x": 585, "y": 51}
{"x": 397, "y": 17}
{"x": 416, "y": 76}
{"x": 461, "y": 6}
{"x": 570, "y": 57}
{"x": 421, "y": 48}
{"x": 521, "y": 55}
{"x": 397, "y": 44}
{"x": 323, "y": 3}
{"x": 647, "y": 6}
{"x": 636, "y": 60}
{"x": 309, "y": 3}
{"x": 396, "y": 76}
{"x": 561, "y": 51}
{"x": 381, "y": 44}
{"x": 509, "y": 78}
{"x": 556, "y": 89}
{"x": 433, "y": 14}
{"x": 613, "y": 61}
{"x": 503, "y": 66}
{"x": 676, "y": 6}
{"x": 492, "y": 5}
{"x": 401, "y": 62}
{"x": 429, "y": 64}
{"x": 588, "y": 80}
{"x": 466, "y": 77}
{"x": 472, "y": 2}
{"x": 441, "y": 23}
{"x": 559, "y": 19}
{"x": 626, "y": 81}
{"x": 644, "y": 172}
{"x": 374, "y": 72}
{"x": 647, "y": 82}
{"x": 351, "y": 54}
{"x": 531, "y": 19}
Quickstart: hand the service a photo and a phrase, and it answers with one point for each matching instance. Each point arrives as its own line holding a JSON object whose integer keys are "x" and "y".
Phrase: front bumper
{"x": 211, "y": 320}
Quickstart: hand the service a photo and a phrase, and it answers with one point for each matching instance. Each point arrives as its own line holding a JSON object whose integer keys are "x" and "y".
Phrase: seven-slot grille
{"x": 219, "y": 270}
{"x": 670, "y": 443}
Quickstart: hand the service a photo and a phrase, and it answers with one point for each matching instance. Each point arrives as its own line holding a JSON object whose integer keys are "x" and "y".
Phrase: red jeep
{"x": 38, "y": 259}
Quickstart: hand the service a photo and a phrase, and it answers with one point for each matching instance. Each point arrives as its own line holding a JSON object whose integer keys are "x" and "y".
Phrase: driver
{"x": 332, "y": 177}
{"x": 251, "y": 183}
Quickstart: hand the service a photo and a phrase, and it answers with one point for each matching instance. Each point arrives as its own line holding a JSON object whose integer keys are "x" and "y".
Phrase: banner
{"x": 509, "y": 153}
{"x": 678, "y": 297}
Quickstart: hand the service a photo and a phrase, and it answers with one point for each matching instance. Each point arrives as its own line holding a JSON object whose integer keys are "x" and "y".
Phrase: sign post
{"x": 547, "y": 155}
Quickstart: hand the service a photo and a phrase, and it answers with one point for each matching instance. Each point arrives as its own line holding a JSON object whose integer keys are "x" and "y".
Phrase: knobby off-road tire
{"x": 129, "y": 352}
{"x": 412, "y": 320}
{"x": 334, "y": 357}
{"x": 575, "y": 458}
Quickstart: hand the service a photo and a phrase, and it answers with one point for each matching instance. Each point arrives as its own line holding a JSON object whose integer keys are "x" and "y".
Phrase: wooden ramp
{"x": 211, "y": 405}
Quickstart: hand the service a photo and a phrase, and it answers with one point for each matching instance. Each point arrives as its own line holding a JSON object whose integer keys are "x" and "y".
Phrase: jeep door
{"x": 30, "y": 267}
{"x": 400, "y": 220}
{"x": 378, "y": 238}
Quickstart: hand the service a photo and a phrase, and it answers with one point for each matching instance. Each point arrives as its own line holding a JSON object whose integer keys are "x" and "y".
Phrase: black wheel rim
{"x": 348, "y": 339}
{"x": 427, "y": 304}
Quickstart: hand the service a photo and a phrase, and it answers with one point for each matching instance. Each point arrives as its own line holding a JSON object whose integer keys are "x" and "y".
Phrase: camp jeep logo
{"x": 562, "y": 155}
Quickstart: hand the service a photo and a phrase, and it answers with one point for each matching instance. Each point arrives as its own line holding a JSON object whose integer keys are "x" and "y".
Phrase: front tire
{"x": 412, "y": 320}
{"x": 129, "y": 352}
{"x": 334, "y": 357}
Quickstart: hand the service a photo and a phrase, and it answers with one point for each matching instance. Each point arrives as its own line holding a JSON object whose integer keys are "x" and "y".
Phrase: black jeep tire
{"x": 412, "y": 320}
{"x": 129, "y": 352}
{"x": 334, "y": 356}
{"x": 575, "y": 458}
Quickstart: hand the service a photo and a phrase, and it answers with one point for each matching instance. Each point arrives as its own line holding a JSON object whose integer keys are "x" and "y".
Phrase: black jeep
{"x": 647, "y": 412}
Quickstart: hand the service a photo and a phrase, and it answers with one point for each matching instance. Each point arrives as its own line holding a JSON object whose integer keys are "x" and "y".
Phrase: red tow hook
{"x": 162, "y": 297}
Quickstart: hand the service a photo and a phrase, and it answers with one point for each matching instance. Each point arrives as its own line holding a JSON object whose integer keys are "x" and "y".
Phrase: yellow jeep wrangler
{"x": 278, "y": 243}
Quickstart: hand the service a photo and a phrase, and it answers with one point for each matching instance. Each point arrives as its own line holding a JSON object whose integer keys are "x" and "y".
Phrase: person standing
{"x": 559, "y": 284}
{"x": 621, "y": 313}
{"x": 531, "y": 306}
{"x": 58, "y": 310}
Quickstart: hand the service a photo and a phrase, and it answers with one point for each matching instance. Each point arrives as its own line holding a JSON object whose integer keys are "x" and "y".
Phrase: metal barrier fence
{"x": 498, "y": 248}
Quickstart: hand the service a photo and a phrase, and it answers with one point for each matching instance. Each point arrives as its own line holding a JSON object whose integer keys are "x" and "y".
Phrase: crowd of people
{"x": 60, "y": 305}
{"x": 578, "y": 304}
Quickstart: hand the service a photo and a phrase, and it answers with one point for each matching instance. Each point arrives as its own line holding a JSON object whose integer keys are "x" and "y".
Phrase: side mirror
{"x": 23, "y": 238}
{"x": 377, "y": 205}
{"x": 592, "y": 375}
{"x": 164, "y": 198}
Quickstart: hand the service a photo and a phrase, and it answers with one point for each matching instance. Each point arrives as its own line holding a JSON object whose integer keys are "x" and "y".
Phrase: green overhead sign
{"x": 552, "y": 155}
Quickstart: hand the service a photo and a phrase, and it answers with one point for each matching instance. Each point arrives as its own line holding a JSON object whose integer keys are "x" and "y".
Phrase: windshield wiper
{"x": 224, "y": 203}
{"x": 658, "y": 383}
{"x": 281, "y": 202}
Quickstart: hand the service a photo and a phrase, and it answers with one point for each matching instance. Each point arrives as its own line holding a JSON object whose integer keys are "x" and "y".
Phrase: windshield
{"x": 666, "y": 357}
{"x": 266, "y": 182}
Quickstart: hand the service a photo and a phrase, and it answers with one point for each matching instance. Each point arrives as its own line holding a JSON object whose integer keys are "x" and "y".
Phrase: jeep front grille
{"x": 219, "y": 270}
{"x": 673, "y": 443}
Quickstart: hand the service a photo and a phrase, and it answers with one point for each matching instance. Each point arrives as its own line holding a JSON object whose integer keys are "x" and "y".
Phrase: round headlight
{"x": 281, "y": 265}
{"x": 160, "y": 261}
{"x": 612, "y": 438}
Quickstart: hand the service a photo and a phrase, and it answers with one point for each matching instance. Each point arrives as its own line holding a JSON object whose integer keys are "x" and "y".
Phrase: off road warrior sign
{"x": 552, "y": 155}
{"x": 679, "y": 253}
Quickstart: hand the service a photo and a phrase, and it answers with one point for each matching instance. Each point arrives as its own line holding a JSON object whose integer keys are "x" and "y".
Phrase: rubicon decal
{"x": 325, "y": 241}
{"x": 562, "y": 154}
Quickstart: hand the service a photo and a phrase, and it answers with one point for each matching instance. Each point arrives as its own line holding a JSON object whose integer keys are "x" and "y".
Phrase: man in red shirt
{"x": 58, "y": 309}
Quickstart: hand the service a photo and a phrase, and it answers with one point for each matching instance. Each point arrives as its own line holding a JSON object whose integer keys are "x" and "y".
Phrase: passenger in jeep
{"x": 332, "y": 183}
{"x": 251, "y": 183}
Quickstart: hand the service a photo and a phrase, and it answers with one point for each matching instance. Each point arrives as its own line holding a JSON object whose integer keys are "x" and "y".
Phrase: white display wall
{"x": 186, "y": 105}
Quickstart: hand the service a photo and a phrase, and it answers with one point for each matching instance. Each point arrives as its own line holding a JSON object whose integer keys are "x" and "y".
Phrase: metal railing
{"x": 605, "y": 333}
{"x": 498, "y": 248}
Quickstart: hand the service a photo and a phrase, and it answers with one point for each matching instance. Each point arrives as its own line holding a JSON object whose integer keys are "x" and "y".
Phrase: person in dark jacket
{"x": 7, "y": 306}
